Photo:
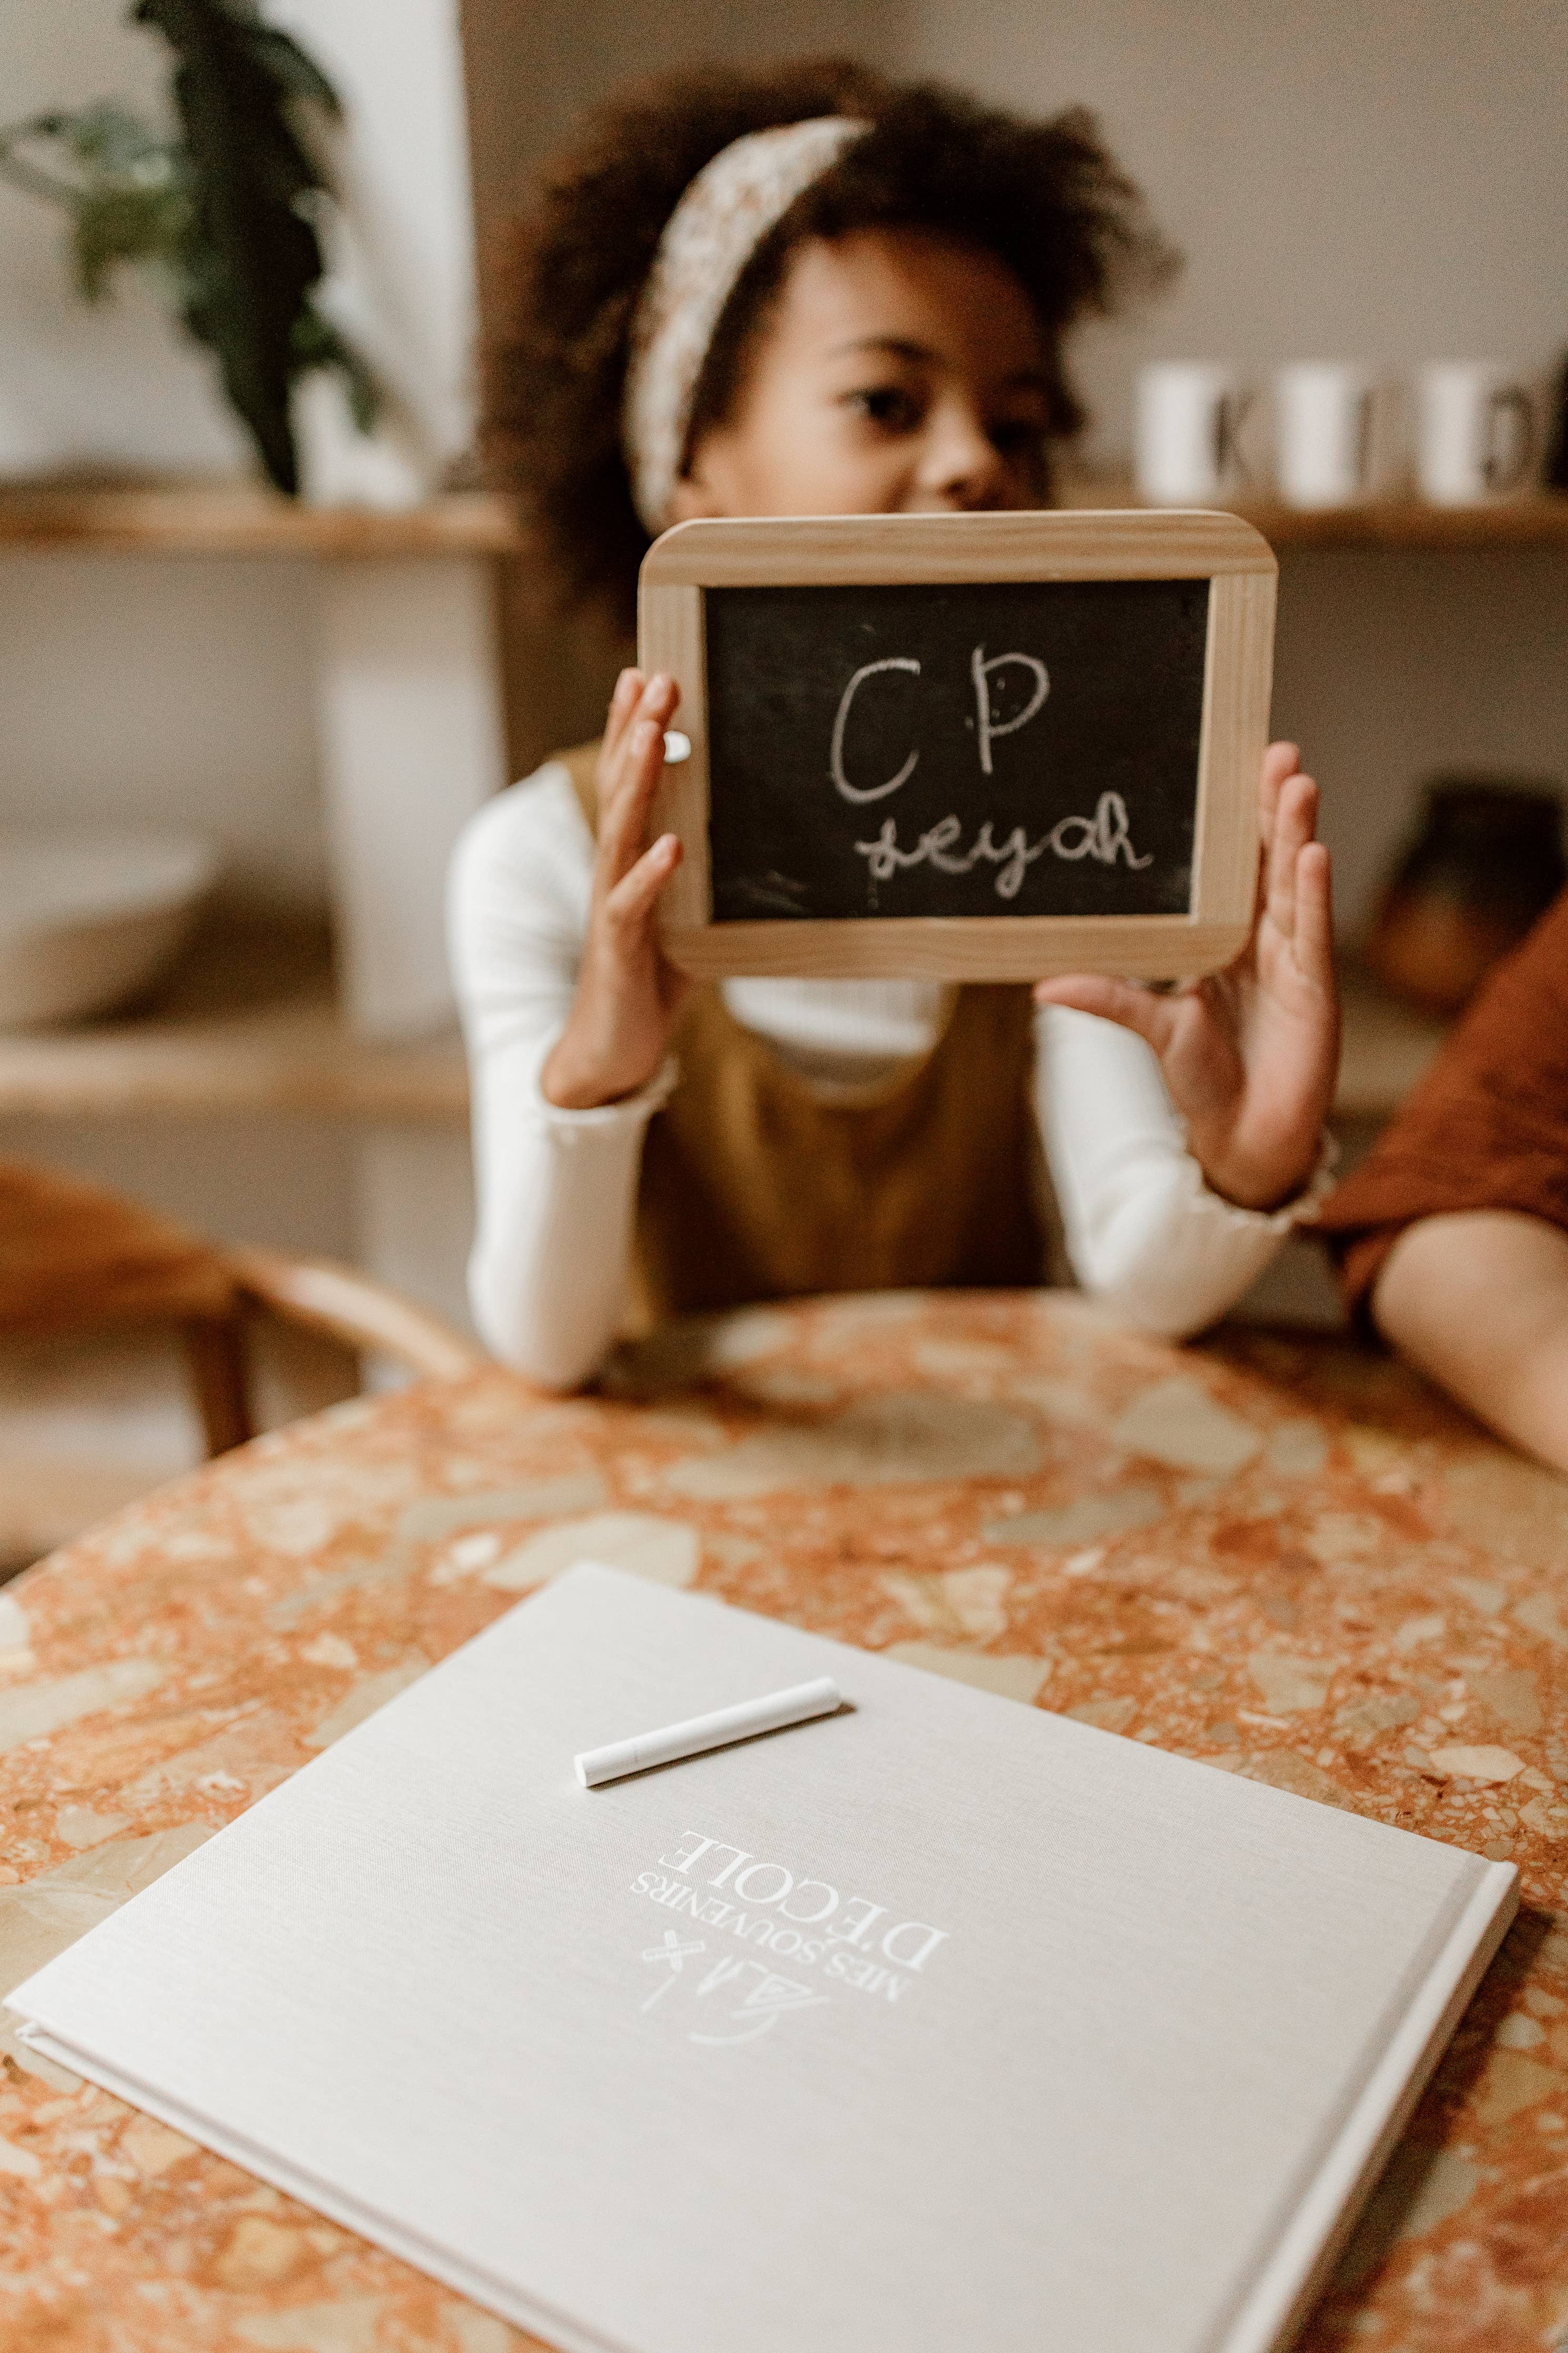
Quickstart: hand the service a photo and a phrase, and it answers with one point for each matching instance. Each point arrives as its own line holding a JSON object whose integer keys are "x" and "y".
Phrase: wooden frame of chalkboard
{"x": 1120, "y": 836}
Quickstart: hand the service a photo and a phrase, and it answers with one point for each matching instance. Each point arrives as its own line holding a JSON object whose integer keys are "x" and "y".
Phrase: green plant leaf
{"x": 254, "y": 256}
{"x": 294, "y": 72}
{"x": 319, "y": 344}
{"x": 224, "y": 216}
{"x": 98, "y": 155}
{"x": 117, "y": 145}
{"x": 125, "y": 224}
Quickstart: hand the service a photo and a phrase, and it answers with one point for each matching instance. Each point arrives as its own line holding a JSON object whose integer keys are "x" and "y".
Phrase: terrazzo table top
{"x": 1277, "y": 1554}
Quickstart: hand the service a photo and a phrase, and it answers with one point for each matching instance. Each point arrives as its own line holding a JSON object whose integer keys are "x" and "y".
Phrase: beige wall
{"x": 1386, "y": 183}
{"x": 534, "y": 65}
{"x": 139, "y": 691}
{"x": 1390, "y": 667}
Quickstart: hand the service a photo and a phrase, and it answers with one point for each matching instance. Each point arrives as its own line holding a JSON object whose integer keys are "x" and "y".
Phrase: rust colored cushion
{"x": 1486, "y": 1129}
{"x": 72, "y": 1256}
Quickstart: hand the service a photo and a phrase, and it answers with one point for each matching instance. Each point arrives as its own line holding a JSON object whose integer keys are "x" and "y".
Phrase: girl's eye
{"x": 889, "y": 407}
{"x": 1018, "y": 436}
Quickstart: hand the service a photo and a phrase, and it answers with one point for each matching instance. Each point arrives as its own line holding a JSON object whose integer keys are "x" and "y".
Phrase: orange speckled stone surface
{"x": 1277, "y": 1554}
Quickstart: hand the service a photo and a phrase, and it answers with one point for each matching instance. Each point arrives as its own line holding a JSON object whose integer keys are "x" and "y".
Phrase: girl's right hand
{"x": 629, "y": 993}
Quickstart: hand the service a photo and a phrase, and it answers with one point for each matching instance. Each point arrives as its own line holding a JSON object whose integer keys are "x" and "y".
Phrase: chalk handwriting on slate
{"x": 969, "y": 749}
{"x": 1105, "y": 836}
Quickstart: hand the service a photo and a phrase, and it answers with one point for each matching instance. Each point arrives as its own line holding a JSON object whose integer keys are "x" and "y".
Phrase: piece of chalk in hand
{"x": 677, "y": 747}
{"x": 797, "y": 1705}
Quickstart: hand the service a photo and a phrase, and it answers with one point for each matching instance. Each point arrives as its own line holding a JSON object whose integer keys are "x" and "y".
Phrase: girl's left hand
{"x": 1250, "y": 1054}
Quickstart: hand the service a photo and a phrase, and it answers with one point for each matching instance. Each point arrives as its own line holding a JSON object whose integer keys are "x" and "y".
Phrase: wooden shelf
{"x": 247, "y": 1022}
{"x": 1406, "y": 524}
{"x": 224, "y": 519}
{"x": 236, "y": 519}
{"x": 1538, "y": 521}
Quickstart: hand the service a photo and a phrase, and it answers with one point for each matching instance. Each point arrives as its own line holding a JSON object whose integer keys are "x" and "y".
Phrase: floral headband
{"x": 721, "y": 218}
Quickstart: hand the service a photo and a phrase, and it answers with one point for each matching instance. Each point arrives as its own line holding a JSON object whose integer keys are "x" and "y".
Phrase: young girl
{"x": 810, "y": 293}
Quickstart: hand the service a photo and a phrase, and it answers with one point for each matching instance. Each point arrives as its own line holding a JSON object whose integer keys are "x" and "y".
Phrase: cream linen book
{"x": 938, "y": 2022}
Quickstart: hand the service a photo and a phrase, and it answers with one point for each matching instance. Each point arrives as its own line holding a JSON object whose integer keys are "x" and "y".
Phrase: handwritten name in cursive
{"x": 1103, "y": 837}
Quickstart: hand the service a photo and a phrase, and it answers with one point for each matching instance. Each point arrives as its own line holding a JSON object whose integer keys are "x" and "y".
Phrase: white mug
{"x": 1324, "y": 416}
{"x": 1477, "y": 433}
{"x": 1187, "y": 443}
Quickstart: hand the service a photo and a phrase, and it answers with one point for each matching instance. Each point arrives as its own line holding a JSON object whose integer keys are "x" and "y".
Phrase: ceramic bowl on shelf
{"x": 88, "y": 919}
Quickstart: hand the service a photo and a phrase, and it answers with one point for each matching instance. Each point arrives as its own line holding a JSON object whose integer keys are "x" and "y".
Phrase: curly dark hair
{"x": 1044, "y": 197}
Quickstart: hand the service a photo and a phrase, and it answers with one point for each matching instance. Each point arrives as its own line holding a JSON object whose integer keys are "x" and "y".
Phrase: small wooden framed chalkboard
{"x": 967, "y": 748}
{"x": 962, "y": 746}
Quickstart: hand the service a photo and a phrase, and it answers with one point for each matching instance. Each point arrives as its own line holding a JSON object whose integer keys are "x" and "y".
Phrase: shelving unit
{"x": 248, "y": 1021}
{"x": 223, "y": 520}
{"x": 253, "y": 1019}
{"x": 407, "y": 688}
{"x": 236, "y": 519}
{"x": 1540, "y": 520}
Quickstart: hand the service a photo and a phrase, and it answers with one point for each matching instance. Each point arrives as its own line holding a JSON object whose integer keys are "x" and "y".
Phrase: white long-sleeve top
{"x": 557, "y": 1189}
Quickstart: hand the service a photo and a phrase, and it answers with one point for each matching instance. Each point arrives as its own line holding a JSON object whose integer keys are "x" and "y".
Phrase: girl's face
{"x": 899, "y": 372}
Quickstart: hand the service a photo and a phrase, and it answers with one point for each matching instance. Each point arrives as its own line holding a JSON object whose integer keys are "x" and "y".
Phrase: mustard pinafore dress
{"x": 755, "y": 1185}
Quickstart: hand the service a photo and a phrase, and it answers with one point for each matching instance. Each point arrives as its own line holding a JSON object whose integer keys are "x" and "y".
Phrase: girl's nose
{"x": 962, "y": 465}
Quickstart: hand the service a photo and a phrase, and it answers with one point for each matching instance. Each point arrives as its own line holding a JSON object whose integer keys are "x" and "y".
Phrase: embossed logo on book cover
{"x": 833, "y": 1941}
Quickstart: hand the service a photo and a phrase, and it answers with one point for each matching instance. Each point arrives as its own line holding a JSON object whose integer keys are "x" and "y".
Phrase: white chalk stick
{"x": 797, "y": 1705}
